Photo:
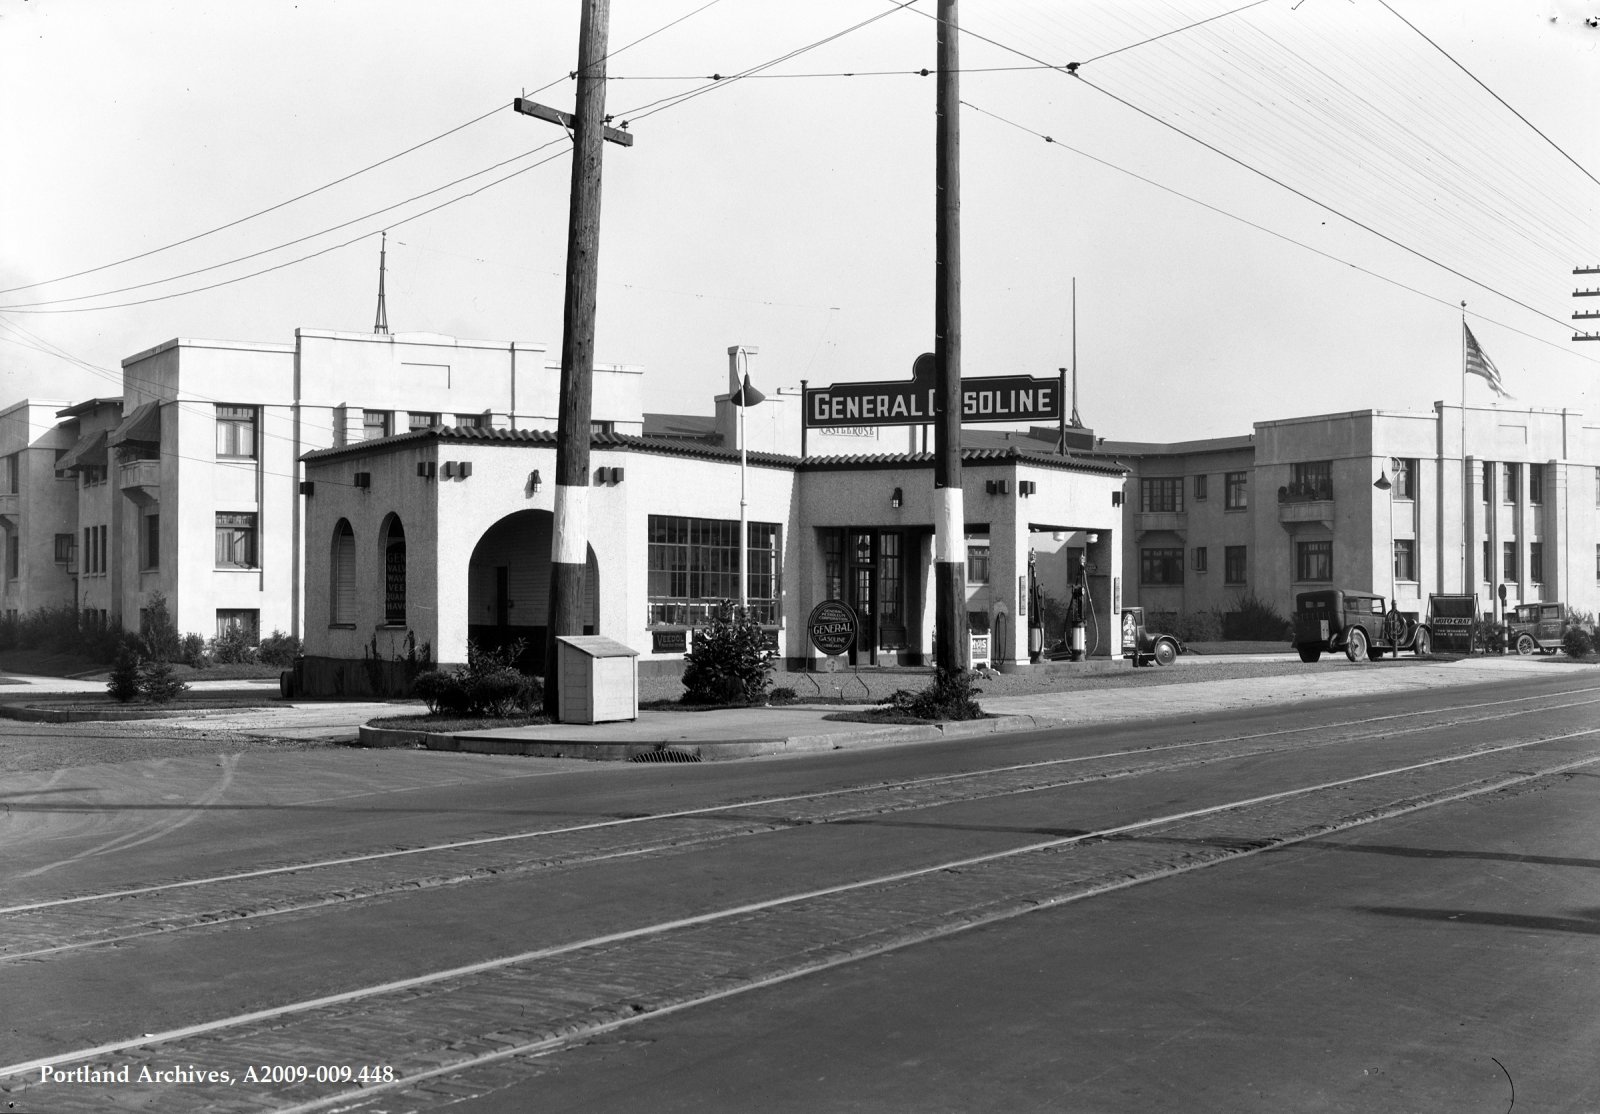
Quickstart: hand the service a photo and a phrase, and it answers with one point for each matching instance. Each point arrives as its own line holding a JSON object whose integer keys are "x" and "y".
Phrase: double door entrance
{"x": 867, "y": 568}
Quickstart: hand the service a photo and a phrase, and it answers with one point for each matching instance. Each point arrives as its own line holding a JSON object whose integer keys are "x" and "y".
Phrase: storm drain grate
{"x": 666, "y": 754}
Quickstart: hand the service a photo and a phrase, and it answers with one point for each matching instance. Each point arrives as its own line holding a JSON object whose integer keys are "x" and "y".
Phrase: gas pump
{"x": 1035, "y": 611}
{"x": 1075, "y": 609}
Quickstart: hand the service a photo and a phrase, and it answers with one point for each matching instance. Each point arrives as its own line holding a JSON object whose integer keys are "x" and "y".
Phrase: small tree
{"x": 125, "y": 675}
{"x": 729, "y": 662}
{"x": 1577, "y": 643}
{"x": 158, "y": 683}
{"x": 161, "y": 639}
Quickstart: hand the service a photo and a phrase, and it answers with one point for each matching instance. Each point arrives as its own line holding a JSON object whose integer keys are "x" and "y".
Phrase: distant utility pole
{"x": 569, "y": 547}
{"x": 1586, "y": 315}
{"x": 951, "y": 647}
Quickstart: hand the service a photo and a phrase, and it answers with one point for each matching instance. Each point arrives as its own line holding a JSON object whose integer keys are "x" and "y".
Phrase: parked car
{"x": 1537, "y": 626}
{"x": 1143, "y": 646}
{"x": 1359, "y": 623}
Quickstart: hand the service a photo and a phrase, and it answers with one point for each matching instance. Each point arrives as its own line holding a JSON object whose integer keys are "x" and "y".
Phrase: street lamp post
{"x": 744, "y": 396}
{"x": 1383, "y": 484}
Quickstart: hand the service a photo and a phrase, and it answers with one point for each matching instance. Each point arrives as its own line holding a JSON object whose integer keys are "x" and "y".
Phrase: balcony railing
{"x": 1306, "y": 491}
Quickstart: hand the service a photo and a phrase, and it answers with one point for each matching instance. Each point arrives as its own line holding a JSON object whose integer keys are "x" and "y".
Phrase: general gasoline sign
{"x": 993, "y": 398}
{"x": 832, "y": 626}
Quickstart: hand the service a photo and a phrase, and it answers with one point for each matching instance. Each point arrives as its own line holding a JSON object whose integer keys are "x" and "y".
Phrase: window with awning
{"x": 140, "y": 431}
{"x": 88, "y": 452}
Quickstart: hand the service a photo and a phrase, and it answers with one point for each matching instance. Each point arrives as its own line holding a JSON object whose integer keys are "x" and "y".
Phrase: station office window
{"x": 236, "y": 540}
{"x": 1237, "y": 495}
{"x": 1313, "y": 560}
{"x": 1161, "y": 494}
{"x": 1200, "y": 488}
{"x": 236, "y": 431}
{"x": 1233, "y": 564}
{"x": 977, "y": 558}
{"x": 694, "y": 568}
{"x": 1405, "y": 559}
{"x": 374, "y": 424}
{"x": 1161, "y": 566}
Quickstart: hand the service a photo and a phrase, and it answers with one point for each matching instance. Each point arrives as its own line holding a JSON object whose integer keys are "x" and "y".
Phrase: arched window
{"x": 342, "y": 585}
{"x": 394, "y": 573}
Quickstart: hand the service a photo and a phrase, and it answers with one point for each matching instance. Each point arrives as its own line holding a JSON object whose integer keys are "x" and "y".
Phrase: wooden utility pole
{"x": 951, "y": 648}
{"x": 569, "y": 547}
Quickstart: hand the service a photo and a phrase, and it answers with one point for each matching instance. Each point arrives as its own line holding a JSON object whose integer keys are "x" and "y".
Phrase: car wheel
{"x": 1355, "y": 648}
{"x": 1310, "y": 653}
{"x": 1420, "y": 645}
{"x": 1166, "y": 653}
{"x": 1526, "y": 644}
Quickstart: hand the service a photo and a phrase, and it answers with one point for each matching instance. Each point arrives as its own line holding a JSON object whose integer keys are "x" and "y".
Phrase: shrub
{"x": 782, "y": 695}
{"x": 158, "y": 683}
{"x": 729, "y": 663}
{"x": 192, "y": 651}
{"x": 488, "y": 685}
{"x": 951, "y": 696}
{"x": 279, "y": 649}
{"x": 125, "y": 675}
{"x": 158, "y": 631}
{"x": 1577, "y": 643}
{"x": 234, "y": 646}
{"x": 1255, "y": 620}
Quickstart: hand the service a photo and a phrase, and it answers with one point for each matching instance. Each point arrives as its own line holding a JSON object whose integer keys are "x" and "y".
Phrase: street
{"x": 1371, "y": 903}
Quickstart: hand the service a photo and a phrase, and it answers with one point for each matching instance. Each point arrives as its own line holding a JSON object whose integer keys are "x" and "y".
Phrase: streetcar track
{"x": 540, "y": 833}
{"x": 961, "y": 919}
{"x": 672, "y": 842}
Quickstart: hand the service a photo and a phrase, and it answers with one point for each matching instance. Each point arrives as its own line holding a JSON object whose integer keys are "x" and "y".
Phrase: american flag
{"x": 1479, "y": 363}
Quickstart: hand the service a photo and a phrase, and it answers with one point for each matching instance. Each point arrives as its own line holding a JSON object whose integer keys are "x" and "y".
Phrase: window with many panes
{"x": 1508, "y": 560}
{"x": 1536, "y": 484}
{"x": 374, "y": 424}
{"x": 1161, "y": 493}
{"x": 1405, "y": 559}
{"x": 471, "y": 421}
{"x": 1405, "y": 478}
{"x": 236, "y": 431}
{"x": 239, "y": 621}
{"x": 1313, "y": 560}
{"x": 977, "y": 558}
{"x": 1237, "y": 493}
{"x": 694, "y": 568}
{"x": 833, "y": 564}
{"x": 1161, "y": 566}
{"x": 1233, "y": 564}
{"x": 1311, "y": 479}
{"x": 416, "y": 419}
{"x": 394, "y": 574}
{"x": 1511, "y": 475}
{"x": 67, "y": 550}
{"x": 236, "y": 540}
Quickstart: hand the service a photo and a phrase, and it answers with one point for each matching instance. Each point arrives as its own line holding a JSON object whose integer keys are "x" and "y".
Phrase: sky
{"x": 1268, "y": 209}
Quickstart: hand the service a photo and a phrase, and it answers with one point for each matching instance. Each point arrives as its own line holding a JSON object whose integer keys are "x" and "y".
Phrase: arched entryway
{"x": 508, "y": 587}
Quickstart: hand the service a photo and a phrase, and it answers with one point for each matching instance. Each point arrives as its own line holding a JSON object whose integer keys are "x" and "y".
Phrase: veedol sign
{"x": 996, "y": 398}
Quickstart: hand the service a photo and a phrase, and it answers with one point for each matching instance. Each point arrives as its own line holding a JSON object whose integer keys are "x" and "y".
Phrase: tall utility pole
{"x": 569, "y": 547}
{"x": 951, "y": 646}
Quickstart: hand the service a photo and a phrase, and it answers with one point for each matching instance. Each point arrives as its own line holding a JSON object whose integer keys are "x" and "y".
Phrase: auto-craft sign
{"x": 992, "y": 398}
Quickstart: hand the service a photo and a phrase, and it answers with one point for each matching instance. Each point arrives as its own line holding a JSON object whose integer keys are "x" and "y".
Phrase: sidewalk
{"x": 802, "y": 728}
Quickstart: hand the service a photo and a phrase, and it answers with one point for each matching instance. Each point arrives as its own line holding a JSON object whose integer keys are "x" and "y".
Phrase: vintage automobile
{"x": 1359, "y": 623}
{"x": 1536, "y": 626}
{"x": 1143, "y": 646}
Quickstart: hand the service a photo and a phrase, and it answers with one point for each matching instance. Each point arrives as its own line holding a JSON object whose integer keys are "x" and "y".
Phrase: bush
{"x": 729, "y": 663}
{"x": 158, "y": 683}
{"x": 951, "y": 696}
{"x": 1577, "y": 643}
{"x": 234, "y": 646}
{"x": 1255, "y": 620}
{"x": 782, "y": 695}
{"x": 192, "y": 651}
{"x": 279, "y": 649}
{"x": 488, "y": 685}
{"x": 125, "y": 675}
{"x": 158, "y": 631}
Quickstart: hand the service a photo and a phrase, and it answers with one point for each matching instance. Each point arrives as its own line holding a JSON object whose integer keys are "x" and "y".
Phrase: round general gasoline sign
{"x": 832, "y": 626}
